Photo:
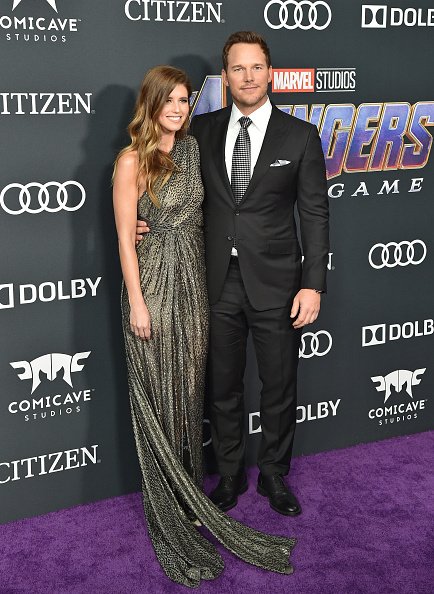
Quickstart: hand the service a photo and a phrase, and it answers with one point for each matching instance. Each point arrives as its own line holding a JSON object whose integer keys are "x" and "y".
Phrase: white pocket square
{"x": 280, "y": 163}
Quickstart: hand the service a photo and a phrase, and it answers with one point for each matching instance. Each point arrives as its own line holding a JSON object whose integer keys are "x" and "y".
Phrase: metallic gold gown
{"x": 166, "y": 383}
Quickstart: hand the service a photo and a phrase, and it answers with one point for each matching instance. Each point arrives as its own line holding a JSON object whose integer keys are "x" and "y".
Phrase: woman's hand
{"x": 140, "y": 321}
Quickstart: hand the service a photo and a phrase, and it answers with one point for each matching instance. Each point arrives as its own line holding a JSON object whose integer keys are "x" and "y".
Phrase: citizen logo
{"x": 51, "y": 366}
{"x": 289, "y": 14}
{"x": 12, "y": 295}
{"x": 397, "y": 380}
{"x": 381, "y": 333}
{"x": 308, "y": 80}
{"x": 380, "y": 16}
{"x": 34, "y": 198}
{"x": 394, "y": 254}
{"x": 30, "y": 29}
{"x": 174, "y": 11}
{"x": 48, "y": 464}
{"x": 309, "y": 412}
{"x": 315, "y": 344}
{"x": 45, "y": 103}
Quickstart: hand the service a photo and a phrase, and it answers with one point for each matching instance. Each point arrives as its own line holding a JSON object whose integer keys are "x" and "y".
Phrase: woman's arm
{"x": 125, "y": 196}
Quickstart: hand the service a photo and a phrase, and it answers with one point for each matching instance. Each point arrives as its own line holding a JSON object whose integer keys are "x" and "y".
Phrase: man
{"x": 257, "y": 163}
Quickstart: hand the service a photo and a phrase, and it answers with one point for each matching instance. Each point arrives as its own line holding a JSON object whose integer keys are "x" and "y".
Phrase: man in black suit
{"x": 257, "y": 164}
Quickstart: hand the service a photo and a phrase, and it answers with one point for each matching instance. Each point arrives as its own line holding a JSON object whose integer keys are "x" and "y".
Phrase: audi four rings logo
{"x": 312, "y": 344}
{"x": 23, "y": 200}
{"x": 394, "y": 254}
{"x": 302, "y": 15}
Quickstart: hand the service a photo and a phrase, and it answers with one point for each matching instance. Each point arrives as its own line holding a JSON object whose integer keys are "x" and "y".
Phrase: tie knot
{"x": 245, "y": 122}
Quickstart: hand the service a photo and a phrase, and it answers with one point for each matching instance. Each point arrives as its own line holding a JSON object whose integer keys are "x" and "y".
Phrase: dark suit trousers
{"x": 276, "y": 345}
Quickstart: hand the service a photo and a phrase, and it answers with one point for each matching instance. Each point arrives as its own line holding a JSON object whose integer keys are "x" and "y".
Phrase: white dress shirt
{"x": 256, "y": 131}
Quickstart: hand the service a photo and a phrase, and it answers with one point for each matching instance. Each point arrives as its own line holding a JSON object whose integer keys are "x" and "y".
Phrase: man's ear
{"x": 270, "y": 73}
{"x": 225, "y": 77}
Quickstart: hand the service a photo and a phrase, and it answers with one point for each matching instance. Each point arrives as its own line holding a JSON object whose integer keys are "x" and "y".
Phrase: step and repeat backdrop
{"x": 70, "y": 70}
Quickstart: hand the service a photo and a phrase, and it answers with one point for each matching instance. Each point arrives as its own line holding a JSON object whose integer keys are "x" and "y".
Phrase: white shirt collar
{"x": 259, "y": 117}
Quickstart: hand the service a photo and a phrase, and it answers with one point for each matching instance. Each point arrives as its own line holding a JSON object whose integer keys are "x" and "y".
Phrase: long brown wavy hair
{"x": 155, "y": 166}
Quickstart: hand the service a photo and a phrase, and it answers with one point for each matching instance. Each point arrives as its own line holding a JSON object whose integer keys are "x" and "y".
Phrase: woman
{"x": 165, "y": 320}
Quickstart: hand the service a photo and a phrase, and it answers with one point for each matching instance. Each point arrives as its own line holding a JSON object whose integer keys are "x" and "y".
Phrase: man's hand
{"x": 141, "y": 227}
{"x": 305, "y": 307}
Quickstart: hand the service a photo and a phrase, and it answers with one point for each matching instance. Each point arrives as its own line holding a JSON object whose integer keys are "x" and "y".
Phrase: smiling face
{"x": 247, "y": 75}
{"x": 175, "y": 111}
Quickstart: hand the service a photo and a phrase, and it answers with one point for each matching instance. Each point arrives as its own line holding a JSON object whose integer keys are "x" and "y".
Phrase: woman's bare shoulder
{"x": 128, "y": 161}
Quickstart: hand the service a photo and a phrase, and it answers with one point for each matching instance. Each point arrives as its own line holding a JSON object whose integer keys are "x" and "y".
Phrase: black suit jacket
{"x": 263, "y": 223}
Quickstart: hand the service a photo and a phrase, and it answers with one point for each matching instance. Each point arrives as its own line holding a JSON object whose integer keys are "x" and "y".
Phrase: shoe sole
{"x": 264, "y": 493}
{"x": 240, "y": 492}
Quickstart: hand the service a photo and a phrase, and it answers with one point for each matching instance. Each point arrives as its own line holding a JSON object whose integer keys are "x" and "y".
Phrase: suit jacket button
{"x": 229, "y": 237}
{"x": 236, "y": 212}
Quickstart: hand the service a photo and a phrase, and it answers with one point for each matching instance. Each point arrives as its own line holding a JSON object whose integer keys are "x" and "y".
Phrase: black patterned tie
{"x": 240, "y": 175}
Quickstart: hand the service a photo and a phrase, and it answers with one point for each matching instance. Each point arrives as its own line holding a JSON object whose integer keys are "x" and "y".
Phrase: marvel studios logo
{"x": 309, "y": 80}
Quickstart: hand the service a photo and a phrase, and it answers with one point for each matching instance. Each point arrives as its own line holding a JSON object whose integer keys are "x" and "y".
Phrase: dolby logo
{"x": 309, "y": 80}
{"x": 309, "y": 412}
{"x": 380, "y": 16}
{"x": 12, "y": 295}
{"x": 45, "y": 103}
{"x": 159, "y": 11}
{"x": 47, "y": 26}
{"x": 382, "y": 333}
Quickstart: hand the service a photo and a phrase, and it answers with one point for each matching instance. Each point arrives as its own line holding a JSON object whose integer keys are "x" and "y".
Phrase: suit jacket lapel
{"x": 269, "y": 150}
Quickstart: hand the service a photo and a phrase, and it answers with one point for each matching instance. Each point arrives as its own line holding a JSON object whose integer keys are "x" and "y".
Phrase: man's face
{"x": 247, "y": 76}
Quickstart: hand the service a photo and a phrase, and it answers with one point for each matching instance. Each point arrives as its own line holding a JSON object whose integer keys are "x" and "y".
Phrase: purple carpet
{"x": 367, "y": 527}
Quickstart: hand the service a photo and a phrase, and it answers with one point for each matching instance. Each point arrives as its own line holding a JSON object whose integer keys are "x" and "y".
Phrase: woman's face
{"x": 175, "y": 110}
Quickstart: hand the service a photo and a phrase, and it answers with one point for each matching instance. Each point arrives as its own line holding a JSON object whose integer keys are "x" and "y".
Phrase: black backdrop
{"x": 70, "y": 72}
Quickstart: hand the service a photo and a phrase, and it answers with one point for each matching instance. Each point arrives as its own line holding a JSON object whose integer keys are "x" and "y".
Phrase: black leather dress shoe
{"x": 225, "y": 495}
{"x": 280, "y": 497}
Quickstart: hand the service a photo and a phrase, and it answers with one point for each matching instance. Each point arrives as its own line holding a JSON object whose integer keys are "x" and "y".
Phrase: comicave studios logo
{"x": 34, "y": 198}
{"x": 12, "y": 295}
{"x": 45, "y": 103}
{"x": 380, "y": 16}
{"x": 48, "y": 368}
{"x": 400, "y": 381}
{"x": 290, "y": 14}
{"x": 309, "y": 80}
{"x": 381, "y": 333}
{"x": 174, "y": 11}
{"x": 22, "y": 27}
{"x": 48, "y": 464}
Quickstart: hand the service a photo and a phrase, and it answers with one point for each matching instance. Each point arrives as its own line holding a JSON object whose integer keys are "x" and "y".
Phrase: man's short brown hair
{"x": 245, "y": 37}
